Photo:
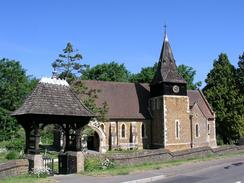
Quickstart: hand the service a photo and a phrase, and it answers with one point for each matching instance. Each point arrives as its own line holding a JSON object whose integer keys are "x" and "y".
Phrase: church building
{"x": 160, "y": 114}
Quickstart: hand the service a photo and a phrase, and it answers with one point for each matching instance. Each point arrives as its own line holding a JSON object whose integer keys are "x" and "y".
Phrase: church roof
{"x": 130, "y": 100}
{"x": 125, "y": 100}
{"x": 196, "y": 96}
{"x": 167, "y": 70}
{"x": 53, "y": 97}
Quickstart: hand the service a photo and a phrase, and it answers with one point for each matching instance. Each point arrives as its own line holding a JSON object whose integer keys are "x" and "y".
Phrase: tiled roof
{"x": 53, "y": 97}
{"x": 125, "y": 100}
{"x": 196, "y": 96}
{"x": 130, "y": 100}
{"x": 167, "y": 70}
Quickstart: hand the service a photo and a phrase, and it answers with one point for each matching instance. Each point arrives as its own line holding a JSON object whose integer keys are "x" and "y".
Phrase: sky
{"x": 131, "y": 32}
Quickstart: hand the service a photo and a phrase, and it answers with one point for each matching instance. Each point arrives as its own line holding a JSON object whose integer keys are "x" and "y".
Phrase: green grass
{"x": 126, "y": 169}
{"x": 26, "y": 179}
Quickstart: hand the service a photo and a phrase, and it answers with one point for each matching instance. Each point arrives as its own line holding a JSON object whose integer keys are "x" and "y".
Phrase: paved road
{"x": 229, "y": 170}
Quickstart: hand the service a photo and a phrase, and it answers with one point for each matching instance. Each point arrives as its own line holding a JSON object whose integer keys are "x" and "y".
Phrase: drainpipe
{"x": 117, "y": 133}
{"x": 191, "y": 116}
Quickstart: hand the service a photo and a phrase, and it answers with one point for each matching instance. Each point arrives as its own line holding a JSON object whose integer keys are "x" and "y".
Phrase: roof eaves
{"x": 205, "y": 100}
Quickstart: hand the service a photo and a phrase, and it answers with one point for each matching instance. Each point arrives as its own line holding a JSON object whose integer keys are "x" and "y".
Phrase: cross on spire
{"x": 165, "y": 33}
{"x": 165, "y": 29}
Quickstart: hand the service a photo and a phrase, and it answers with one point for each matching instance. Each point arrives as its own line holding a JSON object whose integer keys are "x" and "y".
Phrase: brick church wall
{"x": 176, "y": 108}
{"x": 114, "y": 139}
{"x": 206, "y": 129}
{"x": 200, "y": 138}
{"x": 212, "y": 136}
{"x": 156, "y": 108}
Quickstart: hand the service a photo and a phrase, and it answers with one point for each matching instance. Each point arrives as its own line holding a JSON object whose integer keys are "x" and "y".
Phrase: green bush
{"x": 12, "y": 155}
{"x": 16, "y": 144}
{"x": 220, "y": 141}
{"x": 3, "y": 144}
{"x": 92, "y": 163}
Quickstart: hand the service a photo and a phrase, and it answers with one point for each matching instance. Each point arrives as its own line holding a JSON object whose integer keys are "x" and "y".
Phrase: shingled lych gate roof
{"x": 53, "y": 97}
{"x": 167, "y": 70}
{"x": 130, "y": 100}
{"x": 125, "y": 100}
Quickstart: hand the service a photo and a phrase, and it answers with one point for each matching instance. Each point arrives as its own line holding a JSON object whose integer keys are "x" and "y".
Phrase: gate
{"x": 48, "y": 163}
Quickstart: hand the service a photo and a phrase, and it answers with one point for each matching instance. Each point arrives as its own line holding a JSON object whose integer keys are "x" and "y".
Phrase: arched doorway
{"x": 93, "y": 142}
{"x": 97, "y": 141}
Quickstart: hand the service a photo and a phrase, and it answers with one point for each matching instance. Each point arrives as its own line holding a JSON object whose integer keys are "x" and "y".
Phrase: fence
{"x": 48, "y": 163}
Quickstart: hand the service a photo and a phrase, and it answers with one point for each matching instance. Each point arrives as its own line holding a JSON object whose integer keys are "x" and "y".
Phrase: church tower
{"x": 169, "y": 104}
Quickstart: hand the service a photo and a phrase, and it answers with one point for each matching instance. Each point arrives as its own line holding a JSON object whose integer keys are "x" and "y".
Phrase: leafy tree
{"x": 223, "y": 94}
{"x": 145, "y": 76}
{"x": 240, "y": 73}
{"x": 8, "y": 125}
{"x": 67, "y": 63}
{"x": 89, "y": 97}
{"x": 14, "y": 87}
{"x": 188, "y": 73}
{"x": 107, "y": 72}
{"x": 14, "y": 84}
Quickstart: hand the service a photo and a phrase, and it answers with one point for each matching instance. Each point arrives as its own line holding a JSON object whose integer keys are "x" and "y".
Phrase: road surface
{"x": 227, "y": 170}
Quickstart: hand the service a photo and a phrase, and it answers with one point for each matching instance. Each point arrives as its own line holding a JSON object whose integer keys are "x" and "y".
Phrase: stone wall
{"x": 13, "y": 168}
{"x": 157, "y": 155}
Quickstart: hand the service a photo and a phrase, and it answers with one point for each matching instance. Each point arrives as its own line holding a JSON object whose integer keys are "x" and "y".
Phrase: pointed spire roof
{"x": 167, "y": 70}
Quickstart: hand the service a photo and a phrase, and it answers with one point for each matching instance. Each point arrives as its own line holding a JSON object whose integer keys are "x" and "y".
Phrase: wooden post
{"x": 67, "y": 136}
{"x": 27, "y": 139}
{"x": 77, "y": 140}
{"x": 37, "y": 139}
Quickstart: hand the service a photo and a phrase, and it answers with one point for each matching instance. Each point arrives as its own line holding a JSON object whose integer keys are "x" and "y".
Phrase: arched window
{"x": 177, "y": 129}
{"x": 142, "y": 131}
{"x": 197, "y": 130}
{"x": 123, "y": 130}
{"x": 208, "y": 129}
{"x": 102, "y": 127}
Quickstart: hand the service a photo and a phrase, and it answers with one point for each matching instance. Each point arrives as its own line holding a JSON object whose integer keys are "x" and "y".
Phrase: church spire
{"x": 167, "y": 70}
{"x": 165, "y": 34}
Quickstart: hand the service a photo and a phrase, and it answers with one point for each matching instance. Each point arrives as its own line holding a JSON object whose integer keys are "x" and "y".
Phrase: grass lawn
{"x": 126, "y": 169}
{"x": 26, "y": 179}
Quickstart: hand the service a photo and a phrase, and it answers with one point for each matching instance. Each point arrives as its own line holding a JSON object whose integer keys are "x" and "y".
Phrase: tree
{"x": 240, "y": 73}
{"x": 145, "y": 75}
{"x": 107, "y": 72}
{"x": 188, "y": 73}
{"x": 223, "y": 94}
{"x": 67, "y": 64}
{"x": 15, "y": 85}
{"x": 89, "y": 97}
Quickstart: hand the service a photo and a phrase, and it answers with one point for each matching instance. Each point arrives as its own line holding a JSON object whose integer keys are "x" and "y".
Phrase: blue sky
{"x": 126, "y": 31}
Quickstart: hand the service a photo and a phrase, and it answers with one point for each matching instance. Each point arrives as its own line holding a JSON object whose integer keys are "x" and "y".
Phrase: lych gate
{"x": 53, "y": 102}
